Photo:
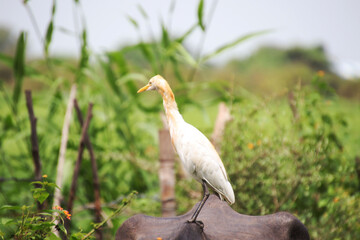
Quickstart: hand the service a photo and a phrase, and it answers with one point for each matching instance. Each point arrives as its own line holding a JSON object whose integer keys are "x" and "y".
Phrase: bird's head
{"x": 157, "y": 83}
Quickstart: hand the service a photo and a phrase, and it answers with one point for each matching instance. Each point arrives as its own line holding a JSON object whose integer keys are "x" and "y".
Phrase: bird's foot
{"x": 199, "y": 223}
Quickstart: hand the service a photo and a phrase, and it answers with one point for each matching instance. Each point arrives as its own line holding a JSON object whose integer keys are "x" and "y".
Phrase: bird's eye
{"x": 150, "y": 83}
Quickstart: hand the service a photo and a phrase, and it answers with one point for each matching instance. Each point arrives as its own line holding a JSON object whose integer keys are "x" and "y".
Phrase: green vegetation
{"x": 290, "y": 147}
{"x": 297, "y": 161}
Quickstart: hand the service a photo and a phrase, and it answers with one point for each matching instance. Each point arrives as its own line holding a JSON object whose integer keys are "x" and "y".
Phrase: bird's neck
{"x": 172, "y": 113}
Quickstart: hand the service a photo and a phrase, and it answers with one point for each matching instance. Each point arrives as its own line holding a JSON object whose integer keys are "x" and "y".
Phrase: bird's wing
{"x": 205, "y": 163}
{"x": 202, "y": 143}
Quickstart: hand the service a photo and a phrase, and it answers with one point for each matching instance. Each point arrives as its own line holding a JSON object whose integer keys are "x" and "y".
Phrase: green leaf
{"x": 84, "y": 57}
{"x": 8, "y": 222}
{"x": 50, "y": 29}
{"x": 52, "y": 237}
{"x": 53, "y": 10}
{"x": 186, "y": 34}
{"x": 177, "y": 70}
{"x": 327, "y": 119}
{"x": 184, "y": 54}
{"x": 48, "y": 37}
{"x": 62, "y": 228}
{"x": 231, "y": 45}
{"x": 119, "y": 59}
{"x": 131, "y": 77}
{"x": 149, "y": 55}
{"x": 200, "y": 13}
{"x": 142, "y": 11}
{"x": 111, "y": 76}
{"x": 10, "y": 207}
{"x": 8, "y": 122}
{"x": 40, "y": 194}
{"x": 165, "y": 39}
{"x": 133, "y": 21}
{"x": 52, "y": 185}
{"x": 19, "y": 67}
{"x": 37, "y": 182}
{"x": 46, "y": 214}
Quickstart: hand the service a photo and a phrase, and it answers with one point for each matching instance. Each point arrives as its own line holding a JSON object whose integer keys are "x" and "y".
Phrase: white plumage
{"x": 197, "y": 154}
{"x": 200, "y": 158}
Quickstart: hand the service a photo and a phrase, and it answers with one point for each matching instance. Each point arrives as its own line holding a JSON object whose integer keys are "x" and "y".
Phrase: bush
{"x": 292, "y": 158}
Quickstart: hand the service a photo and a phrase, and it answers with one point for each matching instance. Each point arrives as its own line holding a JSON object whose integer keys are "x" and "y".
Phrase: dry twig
{"x": 34, "y": 142}
{"x": 79, "y": 159}
{"x": 94, "y": 171}
{"x": 64, "y": 138}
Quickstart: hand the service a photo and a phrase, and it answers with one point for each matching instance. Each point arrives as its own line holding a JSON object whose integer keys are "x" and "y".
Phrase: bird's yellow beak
{"x": 143, "y": 88}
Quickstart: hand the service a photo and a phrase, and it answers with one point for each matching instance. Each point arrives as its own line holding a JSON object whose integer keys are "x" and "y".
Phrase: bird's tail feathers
{"x": 226, "y": 191}
{"x": 229, "y": 194}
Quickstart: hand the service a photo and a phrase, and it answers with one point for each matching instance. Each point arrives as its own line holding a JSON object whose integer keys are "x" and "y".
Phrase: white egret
{"x": 197, "y": 154}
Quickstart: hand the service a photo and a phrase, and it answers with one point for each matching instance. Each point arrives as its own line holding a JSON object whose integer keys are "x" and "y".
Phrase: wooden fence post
{"x": 167, "y": 174}
{"x": 223, "y": 117}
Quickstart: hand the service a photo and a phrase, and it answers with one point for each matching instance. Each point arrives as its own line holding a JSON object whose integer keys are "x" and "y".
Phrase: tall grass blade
{"x": 177, "y": 70}
{"x": 165, "y": 39}
{"x": 187, "y": 33}
{"x": 19, "y": 67}
{"x": 200, "y": 13}
{"x": 184, "y": 54}
{"x": 128, "y": 80}
{"x": 133, "y": 22}
{"x": 142, "y": 11}
{"x": 84, "y": 58}
{"x": 111, "y": 76}
{"x": 149, "y": 55}
{"x": 118, "y": 58}
{"x": 48, "y": 37}
{"x": 231, "y": 45}
{"x": 49, "y": 31}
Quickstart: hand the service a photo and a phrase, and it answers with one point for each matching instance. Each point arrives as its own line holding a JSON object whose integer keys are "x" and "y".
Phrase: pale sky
{"x": 333, "y": 23}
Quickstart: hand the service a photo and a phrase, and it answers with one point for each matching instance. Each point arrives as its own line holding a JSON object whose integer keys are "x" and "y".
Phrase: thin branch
{"x": 34, "y": 139}
{"x": 61, "y": 161}
{"x": 34, "y": 142}
{"x": 116, "y": 212}
{"x": 96, "y": 182}
{"x": 79, "y": 159}
{"x": 64, "y": 138}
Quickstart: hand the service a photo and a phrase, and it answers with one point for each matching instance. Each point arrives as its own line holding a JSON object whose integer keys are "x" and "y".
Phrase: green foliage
{"x": 49, "y": 31}
{"x": 231, "y": 45}
{"x": 200, "y": 14}
{"x": 31, "y": 224}
{"x": 295, "y": 161}
{"x": 19, "y": 67}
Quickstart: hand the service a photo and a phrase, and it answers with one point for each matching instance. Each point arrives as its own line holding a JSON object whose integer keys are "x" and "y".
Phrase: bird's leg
{"x": 198, "y": 209}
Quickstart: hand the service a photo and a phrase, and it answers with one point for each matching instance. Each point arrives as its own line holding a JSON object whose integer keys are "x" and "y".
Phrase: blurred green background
{"x": 291, "y": 145}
